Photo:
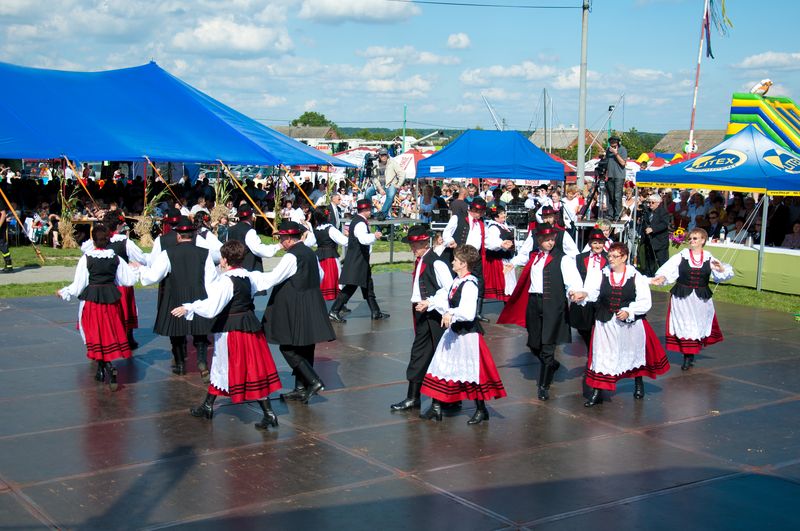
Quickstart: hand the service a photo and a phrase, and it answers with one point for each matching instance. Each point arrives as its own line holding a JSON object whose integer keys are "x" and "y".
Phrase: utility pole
{"x": 582, "y": 98}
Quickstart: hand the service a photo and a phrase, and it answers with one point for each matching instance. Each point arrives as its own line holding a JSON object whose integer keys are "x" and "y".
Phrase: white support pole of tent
{"x": 582, "y": 98}
{"x": 763, "y": 241}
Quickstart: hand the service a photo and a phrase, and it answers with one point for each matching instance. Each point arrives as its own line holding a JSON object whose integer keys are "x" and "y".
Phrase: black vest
{"x": 612, "y": 298}
{"x": 238, "y": 232}
{"x": 463, "y": 327}
{"x": 355, "y": 269}
{"x": 502, "y": 254}
{"x": 186, "y": 279}
{"x": 168, "y": 240}
{"x": 326, "y": 247}
{"x": 693, "y": 279}
{"x": 239, "y": 313}
{"x": 580, "y": 262}
{"x": 102, "y": 286}
{"x": 428, "y": 283}
{"x": 462, "y": 231}
{"x": 120, "y": 247}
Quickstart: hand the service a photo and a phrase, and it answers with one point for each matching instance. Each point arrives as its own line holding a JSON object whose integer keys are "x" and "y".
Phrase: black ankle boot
{"x": 269, "y": 419}
{"x": 100, "y": 375}
{"x": 297, "y": 393}
{"x": 112, "y": 379}
{"x": 314, "y": 384}
{"x": 202, "y": 361}
{"x": 638, "y": 388}
{"x": 544, "y": 384}
{"x": 481, "y": 413}
{"x": 688, "y": 362}
{"x": 595, "y": 399}
{"x": 412, "y": 398}
{"x": 433, "y": 412}
{"x": 206, "y": 409}
{"x": 180, "y": 359}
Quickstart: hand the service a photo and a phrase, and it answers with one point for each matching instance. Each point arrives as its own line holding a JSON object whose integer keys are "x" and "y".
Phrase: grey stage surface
{"x": 717, "y": 447}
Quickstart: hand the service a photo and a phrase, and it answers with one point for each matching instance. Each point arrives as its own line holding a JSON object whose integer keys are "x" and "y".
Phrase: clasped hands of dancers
{"x": 597, "y": 292}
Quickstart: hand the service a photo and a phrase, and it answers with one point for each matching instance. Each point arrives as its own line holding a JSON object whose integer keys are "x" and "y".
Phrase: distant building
{"x": 565, "y": 137}
{"x": 307, "y": 132}
{"x": 674, "y": 140}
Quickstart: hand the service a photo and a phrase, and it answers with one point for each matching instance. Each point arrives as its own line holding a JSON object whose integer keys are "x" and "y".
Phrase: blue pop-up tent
{"x": 131, "y": 113}
{"x": 491, "y": 155}
{"x": 746, "y": 162}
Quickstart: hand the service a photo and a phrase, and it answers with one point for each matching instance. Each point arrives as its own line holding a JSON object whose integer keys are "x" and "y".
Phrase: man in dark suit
{"x": 657, "y": 233}
{"x": 335, "y": 216}
{"x": 713, "y": 225}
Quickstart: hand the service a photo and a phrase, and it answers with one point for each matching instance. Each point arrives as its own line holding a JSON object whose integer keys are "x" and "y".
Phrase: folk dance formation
{"x": 207, "y": 288}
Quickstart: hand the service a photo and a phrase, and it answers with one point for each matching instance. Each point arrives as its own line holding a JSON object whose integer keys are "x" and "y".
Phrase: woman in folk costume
{"x": 498, "y": 273}
{"x": 623, "y": 344}
{"x": 462, "y": 367}
{"x": 242, "y": 367}
{"x": 592, "y": 262}
{"x": 691, "y": 318}
{"x": 328, "y": 238}
{"x": 100, "y": 315}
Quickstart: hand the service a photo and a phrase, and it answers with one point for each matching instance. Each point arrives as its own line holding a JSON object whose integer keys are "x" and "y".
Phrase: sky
{"x": 359, "y": 62}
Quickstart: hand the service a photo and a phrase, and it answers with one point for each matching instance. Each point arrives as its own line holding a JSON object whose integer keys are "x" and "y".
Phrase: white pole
{"x": 697, "y": 76}
{"x": 582, "y": 98}
{"x": 763, "y": 241}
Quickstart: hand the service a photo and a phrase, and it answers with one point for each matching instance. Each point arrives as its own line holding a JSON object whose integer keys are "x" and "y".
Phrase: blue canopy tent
{"x": 130, "y": 114}
{"x": 491, "y": 155}
{"x": 747, "y": 162}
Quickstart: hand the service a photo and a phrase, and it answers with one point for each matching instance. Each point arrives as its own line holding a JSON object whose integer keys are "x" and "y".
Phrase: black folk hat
{"x": 418, "y": 233}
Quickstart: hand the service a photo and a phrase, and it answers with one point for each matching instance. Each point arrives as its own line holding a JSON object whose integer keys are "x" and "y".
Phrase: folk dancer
{"x": 691, "y": 318}
{"x": 431, "y": 277}
{"x": 470, "y": 229}
{"x": 462, "y": 367}
{"x": 242, "y": 367}
{"x": 328, "y": 239}
{"x": 499, "y": 276}
{"x": 591, "y": 262}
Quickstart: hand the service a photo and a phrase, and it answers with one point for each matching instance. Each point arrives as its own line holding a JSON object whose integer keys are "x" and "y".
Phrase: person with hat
{"x": 168, "y": 238}
{"x": 470, "y": 229}
{"x": 605, "y": 227}
{"x": 205, "y": 237}
{"x": 539, "y": 302}
{"x": 387, "y": 177}
{"x": 623, "y": 343}
{"x": 328, "y": 239}
{"x": 591, "y": 262}
{"x": 617, "y": 157}
{"x": 295, "y": 317}
{"x": 183, "y": 272}
{"x": 564, "y": 241}
{"x": 99, "y": 274}
{"x": 499, "y": 276}
{"x": 539, "y": 200}
{"x": 242, "y": 367}
{"x": 431, "y": 278}
{"x": 356, "y": 271}
{"x": 245, "y": 232}
{"x": 462, "y": 367}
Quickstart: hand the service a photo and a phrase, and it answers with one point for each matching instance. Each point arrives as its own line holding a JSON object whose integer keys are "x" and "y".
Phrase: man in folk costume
{"x": 243, "y": 368}
{"x": 356, "y": 271}
{"x": 295, "y": 317}
{"x": 184, "y": 272}
{"x": 563, "y": 239}
{"x": 470, "y": 230}
{"x": 244, "y": 232}
{"x": 539, "y": 302}
{"x": 431, "y": 277}
{"x": 591, "y": 262}
{"x": 168, "y": 238}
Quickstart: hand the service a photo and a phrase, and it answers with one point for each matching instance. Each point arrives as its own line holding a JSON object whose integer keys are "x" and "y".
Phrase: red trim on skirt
{"x": 494, "y": 280}
{"x": 330, "y": 282}
{"x": 655, "y": 363}
{"x": 129, "y": 311}
{"x": 104, "y": 332}
{"x": 690, "y": 347}
{"x": 490, "y": 386}
{"x": 251, "y": 371}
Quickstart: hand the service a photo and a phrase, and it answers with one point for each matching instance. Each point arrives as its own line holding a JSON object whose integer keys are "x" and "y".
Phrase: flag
{"x": 707, "y": 26}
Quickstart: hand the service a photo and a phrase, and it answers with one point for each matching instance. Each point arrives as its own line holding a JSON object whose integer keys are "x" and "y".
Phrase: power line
{"x": 472, "y": 4}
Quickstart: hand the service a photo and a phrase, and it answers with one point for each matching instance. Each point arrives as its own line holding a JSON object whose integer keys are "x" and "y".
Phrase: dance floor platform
{"x": 717, "y": 447}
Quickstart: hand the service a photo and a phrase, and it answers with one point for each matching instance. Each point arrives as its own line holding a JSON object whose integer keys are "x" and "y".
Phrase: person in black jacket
{"x": 656, "y": 231}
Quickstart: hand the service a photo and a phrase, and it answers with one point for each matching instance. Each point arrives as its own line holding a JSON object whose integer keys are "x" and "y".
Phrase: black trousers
{"x": 4, "y": 251}
{"x": 534, "y": 323}
{"x": 614, "y": 191}
{"x": 427, "y": 333}
{"x": 349, "y": 289}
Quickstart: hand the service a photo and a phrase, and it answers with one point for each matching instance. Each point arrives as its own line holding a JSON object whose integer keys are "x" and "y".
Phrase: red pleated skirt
{"x": 330, "y": 282}
{"x": 690, "y": 347}
{"x": 655, "y": 358}
{"x": 251, "y": 371}
{"x": 494, "y": 280}
{"x": 104, "y": 331}
{"x": 490, "y": 386}
{"x": 129, "y": 311}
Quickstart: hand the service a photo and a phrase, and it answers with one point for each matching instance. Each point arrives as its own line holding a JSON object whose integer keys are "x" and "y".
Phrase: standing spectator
{"x": 506, "y": 196}
{"x": 657, "y": 231}
{"x": 617, "y": 156}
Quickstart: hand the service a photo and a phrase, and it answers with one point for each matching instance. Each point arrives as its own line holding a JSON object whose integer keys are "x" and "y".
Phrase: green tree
{"x": 313, "y": 119}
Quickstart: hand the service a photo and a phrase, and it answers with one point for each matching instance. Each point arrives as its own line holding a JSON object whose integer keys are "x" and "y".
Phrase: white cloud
{"x": 647, "y": 74}
{"x": 464, "y": 108}
{"x": 381, "y": 67}
{"x": 645, "y": 101}
{"x": 526, "y": 70}
{"x": 268, "y": 100}
{"x": 223, "y": 36}
{"x": 458, "y": 41}
{"x": 570, "y": 78}
{"x": 412, "y": 86}
{"x": 773, "y": 60}
{"x": 310, "y": 105}
{"x": 333, "y": 11}
{"x": 408, "y": 54}
{"x": 493, "y": 94}
{"x": 11, "y": 8}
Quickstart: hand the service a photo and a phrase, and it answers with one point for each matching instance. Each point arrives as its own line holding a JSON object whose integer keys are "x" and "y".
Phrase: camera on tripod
{"x": 370, "y": 161}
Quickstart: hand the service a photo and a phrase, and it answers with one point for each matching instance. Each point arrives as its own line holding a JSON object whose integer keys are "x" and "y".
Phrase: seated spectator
{"x": 199, "y": 207}
{"x": 738, "y": 234}
{"x": 714, "y": 225}
{"x": 792, "y": 240}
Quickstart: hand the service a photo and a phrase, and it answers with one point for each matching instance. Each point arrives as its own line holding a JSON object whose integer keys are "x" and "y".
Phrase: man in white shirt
{"x": 199, "y": 207}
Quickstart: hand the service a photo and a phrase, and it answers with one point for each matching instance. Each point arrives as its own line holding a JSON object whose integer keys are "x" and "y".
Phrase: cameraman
{"x": 617, "y": 156}
{"x": 387, "y": 175}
